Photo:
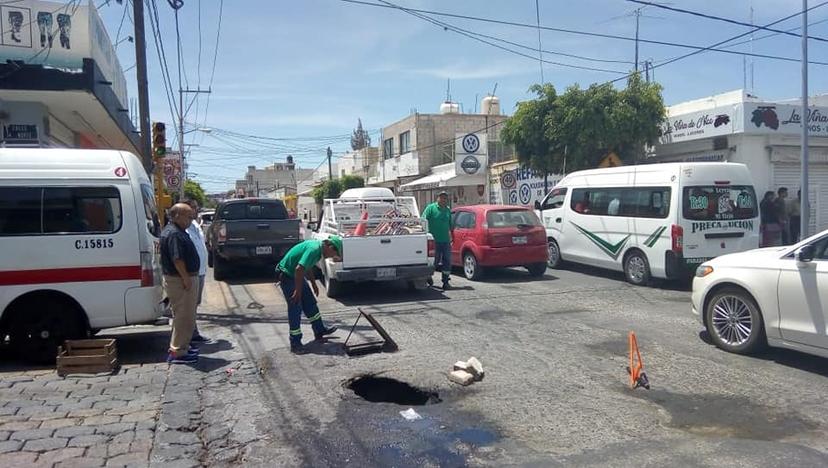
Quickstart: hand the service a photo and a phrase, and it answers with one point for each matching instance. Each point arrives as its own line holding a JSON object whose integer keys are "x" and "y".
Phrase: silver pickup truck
{"x": 249, "y": 232}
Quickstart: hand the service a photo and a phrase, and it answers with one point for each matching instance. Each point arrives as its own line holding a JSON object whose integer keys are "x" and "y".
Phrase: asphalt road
{"x": 556, "y": 390}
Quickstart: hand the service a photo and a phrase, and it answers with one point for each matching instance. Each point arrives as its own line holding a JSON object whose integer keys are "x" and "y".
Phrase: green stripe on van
{"x": 650, "y": 242}
{"x": 610, "y": 249}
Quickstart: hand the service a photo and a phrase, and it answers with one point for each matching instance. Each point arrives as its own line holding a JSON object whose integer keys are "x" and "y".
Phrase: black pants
{"x": 793, "y": 227}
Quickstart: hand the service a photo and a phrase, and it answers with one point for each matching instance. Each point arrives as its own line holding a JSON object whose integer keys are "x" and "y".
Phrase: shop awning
{"x": 442, "y": 176}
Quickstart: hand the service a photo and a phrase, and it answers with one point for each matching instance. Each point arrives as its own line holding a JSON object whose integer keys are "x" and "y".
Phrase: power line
{"x": 215, "y": 60}
{"x": 726, "y": 20}
{"x": 540, "y": 46}
{"x": 582, "y": 33}
{"x": 162, "y": 58}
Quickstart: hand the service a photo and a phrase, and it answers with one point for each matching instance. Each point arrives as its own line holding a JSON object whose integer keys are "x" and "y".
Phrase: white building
{"x": 764, "y": 135}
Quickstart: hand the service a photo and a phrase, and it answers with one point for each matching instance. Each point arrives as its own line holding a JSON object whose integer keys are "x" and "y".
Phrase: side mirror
{"x": 313, "y": 226}
{"x": 805, "y": 254}
{"x": 537, "y": 205}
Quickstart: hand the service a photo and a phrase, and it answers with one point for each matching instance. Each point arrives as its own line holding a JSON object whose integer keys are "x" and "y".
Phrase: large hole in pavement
{"x": 386, "y": 390}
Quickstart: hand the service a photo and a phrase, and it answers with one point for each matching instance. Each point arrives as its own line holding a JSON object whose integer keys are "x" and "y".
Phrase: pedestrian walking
{"x": 795, "y": 216}
{"x": 438, "y": 215}
{"x": 180, "y": 264}
{"x": 197, "y": 236}
{"x": 769, "y": 222}
{"x": 781, "y": 207}
{"x": 298, "y": 285}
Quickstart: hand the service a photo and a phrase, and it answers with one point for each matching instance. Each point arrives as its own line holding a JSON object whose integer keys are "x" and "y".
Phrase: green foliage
{"x": 193, "y": 190}
{"x": 360, "y": 138}
{"x": 582, "y": 126}
{"x": 334, "y": 188}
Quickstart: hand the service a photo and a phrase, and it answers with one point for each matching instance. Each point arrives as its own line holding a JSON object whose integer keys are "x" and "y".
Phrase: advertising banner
{"x": 471, "y": 152}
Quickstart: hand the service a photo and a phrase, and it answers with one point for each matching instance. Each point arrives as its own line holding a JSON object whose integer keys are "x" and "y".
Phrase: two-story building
{"x": 257, "y": 182}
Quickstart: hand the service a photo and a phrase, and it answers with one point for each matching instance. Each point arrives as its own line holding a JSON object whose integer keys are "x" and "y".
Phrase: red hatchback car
{"x": 497, "y": 236}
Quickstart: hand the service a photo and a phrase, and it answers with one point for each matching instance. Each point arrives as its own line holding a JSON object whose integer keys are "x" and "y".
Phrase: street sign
{"x": 173, "y": 182}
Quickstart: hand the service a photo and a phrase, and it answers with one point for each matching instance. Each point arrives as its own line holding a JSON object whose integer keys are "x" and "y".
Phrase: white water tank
{"x": 449, "y": 107}
{"x": 490, "y": 105}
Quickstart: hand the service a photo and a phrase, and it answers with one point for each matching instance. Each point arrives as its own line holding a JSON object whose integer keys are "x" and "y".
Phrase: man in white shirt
{"x": 197, "y": 236}
{"x": 613, "y": 207}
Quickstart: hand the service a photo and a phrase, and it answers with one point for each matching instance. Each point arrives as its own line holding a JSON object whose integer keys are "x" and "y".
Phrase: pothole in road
{"x": 387, "y": 390}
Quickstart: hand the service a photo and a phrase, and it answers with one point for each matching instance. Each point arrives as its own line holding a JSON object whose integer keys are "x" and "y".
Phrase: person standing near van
{"x": 769, "y": 222}
{"x": 781, "y": 207}
{"x": 795, "y": 216}
{"x": 438, "y": 215}
{"x": 197, "y": 236}
{"x": 297, "y": 265}
{"x": 179, "y": 261}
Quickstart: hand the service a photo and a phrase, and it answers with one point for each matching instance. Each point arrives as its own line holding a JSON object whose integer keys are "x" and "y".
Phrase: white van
{"x": 653, "y": 220}
{"x": 79, "y": 248}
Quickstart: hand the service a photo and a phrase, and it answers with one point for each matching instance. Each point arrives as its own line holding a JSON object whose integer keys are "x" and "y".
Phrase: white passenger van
{"x": 652, "y": 220}
{"x": 78, "y": 236}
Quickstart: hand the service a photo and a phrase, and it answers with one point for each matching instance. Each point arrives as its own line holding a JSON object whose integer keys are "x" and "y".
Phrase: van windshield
{"x": 715, "y": 202}
{"x": 511, "y": 218}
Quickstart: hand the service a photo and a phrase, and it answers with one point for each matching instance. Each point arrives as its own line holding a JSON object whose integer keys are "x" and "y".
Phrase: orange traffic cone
{"x": 361, "y": 227}
{"x": 636, "y": 370}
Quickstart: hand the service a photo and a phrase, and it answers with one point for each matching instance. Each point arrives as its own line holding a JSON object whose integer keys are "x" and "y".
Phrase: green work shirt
{"x": 439, "y": 222}
{"x": 306, "y": 253}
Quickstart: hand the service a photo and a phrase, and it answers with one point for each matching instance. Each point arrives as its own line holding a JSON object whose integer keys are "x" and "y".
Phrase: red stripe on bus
{"x": 70, "y": 275}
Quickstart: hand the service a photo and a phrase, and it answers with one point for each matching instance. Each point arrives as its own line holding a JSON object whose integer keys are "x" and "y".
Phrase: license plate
{"x": 519, "y": 240}
{"x": 264, "y": 250}
{"x": 386, "y": 272}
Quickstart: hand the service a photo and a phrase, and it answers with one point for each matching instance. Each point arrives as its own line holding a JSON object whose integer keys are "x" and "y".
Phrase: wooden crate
{"x": 87, "y": 357}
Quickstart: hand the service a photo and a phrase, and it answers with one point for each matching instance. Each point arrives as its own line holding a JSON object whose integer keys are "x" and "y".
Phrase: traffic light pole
{"x": 143, "y": 91}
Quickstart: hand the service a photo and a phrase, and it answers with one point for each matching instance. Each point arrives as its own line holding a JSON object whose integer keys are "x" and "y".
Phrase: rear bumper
{"x": 371, "y": 274}
{"x": 516, "y": 255}
{"x": 247, "y": 253}
{"x": 678, "y": 267}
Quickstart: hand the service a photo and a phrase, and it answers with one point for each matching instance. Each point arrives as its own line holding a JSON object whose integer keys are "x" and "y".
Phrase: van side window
{"x": 630, "y": 202}
{"x": 555, "y": 199}
{"x": 81, "y": 210}
{"x": 20, "y": 210}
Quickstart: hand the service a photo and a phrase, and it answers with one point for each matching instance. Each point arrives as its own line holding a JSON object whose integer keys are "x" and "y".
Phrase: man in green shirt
{"x": 438, "y": 215}
{"x": 297, "y": 265}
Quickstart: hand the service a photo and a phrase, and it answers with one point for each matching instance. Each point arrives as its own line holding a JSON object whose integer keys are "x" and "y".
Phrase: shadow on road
{"x": 670, "y": 285}
{"x": 785, "y": 357}
{"x": 511, "y": 275}
{"x": 381, "y": 294}
{"x": 250, "y": 275}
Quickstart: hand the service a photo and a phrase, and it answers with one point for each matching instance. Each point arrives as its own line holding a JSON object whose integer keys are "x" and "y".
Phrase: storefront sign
{"x": 520, "y": 186}
{"x": 784, "y": 119}
{"x": 696, "y": 125}
{"x": 471, "y": 154}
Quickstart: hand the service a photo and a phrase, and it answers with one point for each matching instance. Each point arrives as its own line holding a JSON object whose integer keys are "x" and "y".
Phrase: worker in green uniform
{"x": 295, "y": 267}
{"x": 438, "y": 215}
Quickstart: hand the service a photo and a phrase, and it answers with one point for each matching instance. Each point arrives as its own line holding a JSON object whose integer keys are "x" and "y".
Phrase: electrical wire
{"x": 215, "y": 60}
{"x": 162, "y": 58}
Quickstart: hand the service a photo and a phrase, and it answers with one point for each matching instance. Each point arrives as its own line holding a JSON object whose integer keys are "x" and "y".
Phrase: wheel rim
{"x": 469, "y": 266}
{"x": 732, "y": 320}
{"x": 636, "y": 268}
{"x": 553, "y": 254}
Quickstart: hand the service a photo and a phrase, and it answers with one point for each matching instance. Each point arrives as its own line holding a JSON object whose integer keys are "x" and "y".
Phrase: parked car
{"x": 488, "y": 236}
{"x": 249, "y": 232}
{"x": 652, "y": 220}
{"x": 206, "y": 219}
{"x": 79, "y": 245}
{"x": 775, "y": 296}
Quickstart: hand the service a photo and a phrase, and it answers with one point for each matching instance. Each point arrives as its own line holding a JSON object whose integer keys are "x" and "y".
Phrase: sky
{"x": 306, "y": 70}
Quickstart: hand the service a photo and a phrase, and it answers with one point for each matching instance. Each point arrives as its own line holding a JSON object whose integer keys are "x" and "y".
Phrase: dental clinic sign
{"x": 59, "y": 35}
{"x": 471, "y": 151}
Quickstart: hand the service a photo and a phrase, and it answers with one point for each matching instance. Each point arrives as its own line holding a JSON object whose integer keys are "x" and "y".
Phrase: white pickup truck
{"x": 383, "y": 239}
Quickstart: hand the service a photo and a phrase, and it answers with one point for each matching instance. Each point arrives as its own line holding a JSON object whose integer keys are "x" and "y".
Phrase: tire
{"x": 210, "y": 258}
{"x": 220, "y": 268}
{"x": 333, "y": 287}
{"x": 734, "y": 322}
{"x": 536, "y": 270}
{"x": 637, "y": 268}
{"x": 471, "y": 268}
{"x": 41, "y": 326}
{"x": 555, "y": 260}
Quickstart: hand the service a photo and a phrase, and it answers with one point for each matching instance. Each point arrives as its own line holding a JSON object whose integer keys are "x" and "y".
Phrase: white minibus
{"x": 651, "y": 220}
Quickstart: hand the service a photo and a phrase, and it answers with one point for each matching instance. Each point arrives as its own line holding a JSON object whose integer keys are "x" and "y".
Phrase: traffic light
{"x": 159, "y": 139}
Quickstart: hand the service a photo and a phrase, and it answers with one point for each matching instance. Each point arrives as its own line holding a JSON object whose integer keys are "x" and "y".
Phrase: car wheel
{"x": 37, "y": 331}
{"x": 220, "y": 268}
{"x": 471, "y": 269}
{"x": 555, "y": 260}
{"x": 734, "y": 321}
{"x": 536, "y": 269}
{"x": 637, "y": 268}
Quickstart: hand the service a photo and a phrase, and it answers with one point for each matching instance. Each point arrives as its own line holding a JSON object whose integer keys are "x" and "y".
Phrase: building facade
{"x": 258, "y": 182}
{"x": 764, "y": 135}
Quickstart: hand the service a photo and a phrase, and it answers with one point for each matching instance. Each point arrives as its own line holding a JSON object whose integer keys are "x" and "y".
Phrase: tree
{"x": 582, "y": 126}
{"x": 360, "y": 138}
{"x": 334, "y": 188}
{"x": 193, "y": 191}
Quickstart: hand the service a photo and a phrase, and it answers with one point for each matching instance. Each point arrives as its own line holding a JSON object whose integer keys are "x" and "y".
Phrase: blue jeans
{"x": 442, "y": 259}
{"x": 307, "y": 305}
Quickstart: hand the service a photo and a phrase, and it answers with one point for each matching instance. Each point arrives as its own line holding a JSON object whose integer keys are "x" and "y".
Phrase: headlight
{"x": 703, "y": 270}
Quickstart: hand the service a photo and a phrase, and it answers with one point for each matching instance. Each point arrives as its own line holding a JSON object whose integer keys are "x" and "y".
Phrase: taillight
{"x": 677, "y": 235}
{"x": 147, "y": 271}
{"x": 431, "y": 249}
{"x": 222, "y": 234}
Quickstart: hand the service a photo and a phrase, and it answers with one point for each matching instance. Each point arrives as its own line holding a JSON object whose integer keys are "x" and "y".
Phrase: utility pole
{"x": 637, "y": 21}
{"x": 805, "y": 204}
{"x": 330, "y": 168}
{"x": 143, "y": 91}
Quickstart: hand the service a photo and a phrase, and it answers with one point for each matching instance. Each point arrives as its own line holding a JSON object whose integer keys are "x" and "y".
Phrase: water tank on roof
{"x": 290, "y": 159}
{"x": 490, "y": 105}
{"x": 449, "y": 107}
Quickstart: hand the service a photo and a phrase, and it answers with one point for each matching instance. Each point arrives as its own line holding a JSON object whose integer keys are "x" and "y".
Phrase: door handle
{"x": 557, "y": 220}
{"x": 385, "y": 241}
